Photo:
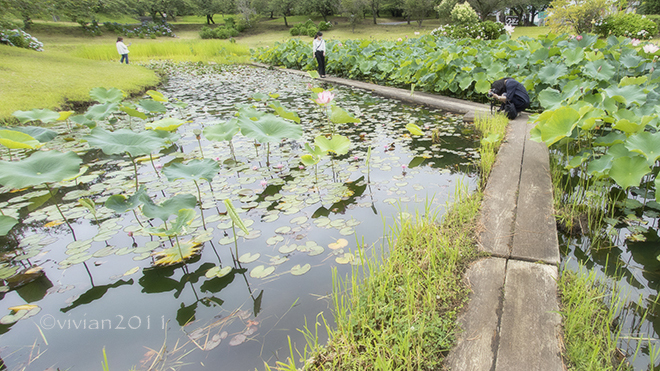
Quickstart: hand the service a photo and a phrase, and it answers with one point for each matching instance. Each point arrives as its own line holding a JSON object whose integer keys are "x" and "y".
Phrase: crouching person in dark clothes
{"x": 511, "y": 94}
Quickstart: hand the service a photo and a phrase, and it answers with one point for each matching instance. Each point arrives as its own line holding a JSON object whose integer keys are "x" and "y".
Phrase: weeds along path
{"x": 512, "y": 321}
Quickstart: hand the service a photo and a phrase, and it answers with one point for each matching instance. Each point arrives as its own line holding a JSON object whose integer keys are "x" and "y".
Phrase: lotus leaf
{"x": 559, "y": 125}
{"x": 600, "y": 70}
{"x": 646, "y": 144}
{"x": 338, "y": 144}
{"x": 41, "y": 167}
{"x": 125, "y": 141}
{"x": 152, "y": 106}
{"x": 261, "y": 271}
{"x": 218, "y": 272}
{"x": 156, "y": 95}
{"x": 6, "y": 224}
{"x": 103, "y": 95}
{"x": 284, "y": 113}
{"x": 298, "y": 270}
{"x": 101, "y": 111}
{"x": 44, "y": 115}
{"x": 339, "y": 116}
{"x": 414, "y": 129}
{"x": 573, "y": 56}
{"x": 64, "y": 115}
{"x": 261, "y": 97}
{"x": 43, "y": 135}
{"x": 17, "y": 140}
{"x": 177, "y": 254}
{"x": 628, "y": 171}
{"x": 626, "y": 94}
{"x": 233, "y": 214}
{"x": 551, "y": 73}
{"x": 248, "y": 258}
{"x": 168, "y": 207}
{"x": 82, "y": 120}
{"x": 195, "y": 170}
{"x": 269, "y": 129}
{"x": 121, "y": 203}
{"x": 166, "y": 124}
{"x": 222, "y": 131}
{"x": 345, "y": 259}
{"x": 184, "y": 217}
{"x": 133, "y": 112}
{"x": 314, "y": 74}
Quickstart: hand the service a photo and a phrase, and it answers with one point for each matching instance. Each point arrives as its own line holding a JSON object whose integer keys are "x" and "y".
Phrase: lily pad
{"x": 218, "y": 272}
{"x": 298, "y": 270}
{"x": 287, "y": 249}
{"x": 339, "y": 244}
{"x": 248, "y": 258}
{"x": 261, "y": 271}
{"x": 345, "y": 259}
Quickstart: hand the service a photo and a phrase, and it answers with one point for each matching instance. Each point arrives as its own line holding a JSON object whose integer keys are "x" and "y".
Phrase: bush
{"x": 464, "y": 14}
{"x": 630, "y": 25}
{"x": 324, "y": 26}
{"x": 206, "y": 33}
{"x": 217, "y": 33}
{"x": 147, "y": 29}
{"x": 294, "y": 31}
{"x": 480, "y": 30}
{"x": 577, "y": 16}
{"x": 230, "y": 22}
{"x": 20, "y": 39}
{"x": 444, "y": 9}
{"x": 311, "y": 32}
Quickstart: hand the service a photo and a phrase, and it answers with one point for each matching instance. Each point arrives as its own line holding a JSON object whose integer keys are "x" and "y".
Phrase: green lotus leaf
{"x": 233, "y": 214}
{"x": 630, "y": 60}
{"x": 573, "y": 56}
{"x": 218, "y": 271}
{"x": 101, "y": 111}
{"x": 183, "y": 218}
{"x": 414, "y": 129}
{"x": 222, "y": 131}
{"x": 17, "y": 140}
{"x": 314, "y": 74}
{"x": 156, "y": 95}
{"x": 103, "y": 95}
{"x": 627, "y": 80}
{"x": 339, "y": 116}
{"x": 82, "y": 120}
{"x": 249, "y": 112}
{"x": 628, "y": 122}
{"x": 166, "y": 124}
{"x": 646, "y": 144}
{"x": 338, "y": 144}
{"x": 628, "y": 171}
{"x": 260, "y": 97}
{"x": 125, "y": 141}
{"x": 270, "y": 129}
{"x": 599, "y": 70}
{"x": 316, "y": 151}
{"x": 121, "y": 203}
{"x": 168, "y": 207}
{"x": 299, "y": 270}
{"x": 284, "y": 113}
{"x": 309, "y": 160}
{"x": 194, "y": 170}
{"x": 133, "y": 112}
{"x": 6, "y": 224}
{"x": 559, "y": 125}
{"x": 152, "y": 106}
{"x": 610, "y": 139}
{"x": 176, "y": 254}
{"x": 551, "y": 73}
{"x": 64, "y": 115}
{"x": 44, "y": 115}
{"x": 43, "y": 135}
{"x": 261, "y": 271}
{"x": 41, "y": 167}
{"x": 626, "y": 94}
{"x": 550, "y": 98}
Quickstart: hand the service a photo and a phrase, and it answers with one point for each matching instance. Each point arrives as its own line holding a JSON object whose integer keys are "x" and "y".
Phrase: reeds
{"x": 493, "y": 129}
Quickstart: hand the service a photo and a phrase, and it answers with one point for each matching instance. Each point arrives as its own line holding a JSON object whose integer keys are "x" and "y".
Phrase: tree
{"x": 374, "y": 5}
{"x": 395, "y": 7}
{"x": 323, "y": 7}
{"x": 417, "y": 10}
{"x": 354, "y": 9}
{"x": 247, "y": 11}
{"x": 285, "y": 8}
{"x": 444, "y": 9}
{"x": 579, "y": 16}
{"x": 526, "y": 10}
{"x": 27, "y": 9}
{"x": 207, "y": 8}
{"x": 486, "y": 7}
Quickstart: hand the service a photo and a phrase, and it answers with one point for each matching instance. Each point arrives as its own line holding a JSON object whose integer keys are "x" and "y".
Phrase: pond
{"x": 235, "y": 301}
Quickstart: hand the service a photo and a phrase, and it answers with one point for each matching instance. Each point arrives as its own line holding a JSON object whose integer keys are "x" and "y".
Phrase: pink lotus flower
{"x": 254, "y": 168}
{"x": 650, "y": 48}
{"x": 279, "y": 166}
{"x": 264, "y": 183}
{"x": 416, "y": 33}
{"x": 355, "y": 158}
{"x": 340, "y": 45}
{"x": 325, "y": 97}
{"x": 635, "y": 42}
{"x": 578, "y": 37}
{"x": 217, "y": 159}
{"x": 404, "y": 166}
{"x": 399, "y": 39}
{"x": 301, "y": 167}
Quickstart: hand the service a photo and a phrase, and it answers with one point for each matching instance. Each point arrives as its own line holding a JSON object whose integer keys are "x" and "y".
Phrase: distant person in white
{"x": 318, "y": 47}
{"x": 122, "y": 49}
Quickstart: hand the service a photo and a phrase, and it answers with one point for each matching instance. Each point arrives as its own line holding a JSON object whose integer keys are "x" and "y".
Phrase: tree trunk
{"x": 209, "y": 19}
{"x": 374, "y": 12}
{"x": 285, "y": 23}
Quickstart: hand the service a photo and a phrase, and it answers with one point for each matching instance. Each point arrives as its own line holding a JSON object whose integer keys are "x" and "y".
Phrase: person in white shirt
{"x": 318, "y": 47}
{"x": 122, "y": 49}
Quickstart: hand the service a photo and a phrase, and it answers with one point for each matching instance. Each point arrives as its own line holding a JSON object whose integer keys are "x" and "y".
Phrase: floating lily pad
{"x": 345, "y": 259}
{"x": 131, "y": 271}
{"x": 298, "y": 270}
{"x": 261, "y": 271}
{"x": 347, "y": 231}
{"x": 218, "y": 272}
{"x": 248, "y": 258}
{"x": 274, "y": 240}
{"x": 277, "y": 260}
{"x": 287, "y": 249}
{"x": 283, "y": 230}
{"x": 339, "y": 244}
{"x": 299, "y": 220}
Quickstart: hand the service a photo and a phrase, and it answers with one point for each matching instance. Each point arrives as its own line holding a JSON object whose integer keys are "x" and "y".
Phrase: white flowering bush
{"x": 464, "y": 14}
{"x": 479, "y": 30}
{"x": 632, "y": 25}
{"x": 21, "y": 39}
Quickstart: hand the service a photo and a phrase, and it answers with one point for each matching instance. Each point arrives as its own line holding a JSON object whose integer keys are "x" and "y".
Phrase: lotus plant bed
{"x": 202, "y": 223}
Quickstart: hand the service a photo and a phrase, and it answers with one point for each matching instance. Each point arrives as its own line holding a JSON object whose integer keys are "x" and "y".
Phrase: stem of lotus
{"x": 91, "y": 279}
{"x": 73, "y": 233}
{"x": 151, "y": 157}
{"x": 233, "y": 228}
{"x": 199, "y": 201}
{"x": 268, "y": 154}
{"x": 199, "y": 142}
{"x": 138, "y": 219}
{"x": 231, "y": 148}
{"x": 179, "y": 247}
{"x": 137, "y": 183}
{"x": 256, "y": 148}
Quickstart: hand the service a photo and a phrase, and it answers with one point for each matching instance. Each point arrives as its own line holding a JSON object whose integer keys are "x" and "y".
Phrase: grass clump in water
{"x": 493, "y": 129}
{"x": 590, "y": 336}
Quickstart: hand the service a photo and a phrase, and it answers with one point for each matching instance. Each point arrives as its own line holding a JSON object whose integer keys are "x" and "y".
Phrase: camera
{"x": 490, "y": 94}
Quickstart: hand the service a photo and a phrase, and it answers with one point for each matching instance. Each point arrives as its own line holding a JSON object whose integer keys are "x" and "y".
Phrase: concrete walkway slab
{"x": 498, "y": 207}
{"x": 530, "y": 325}
{"x": 477, "y": 344}
{"x": 535, "y": 237}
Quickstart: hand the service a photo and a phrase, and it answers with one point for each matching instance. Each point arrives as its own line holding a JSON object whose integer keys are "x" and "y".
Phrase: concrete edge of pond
{"x": 511, "y": 321}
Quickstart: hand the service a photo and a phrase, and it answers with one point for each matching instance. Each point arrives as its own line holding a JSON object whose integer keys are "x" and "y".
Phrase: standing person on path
{"x": 122, "y": 49}
{"x": 318, "y": 47}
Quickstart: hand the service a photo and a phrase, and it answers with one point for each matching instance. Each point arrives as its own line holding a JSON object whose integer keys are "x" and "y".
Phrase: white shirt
{"x": 318, "y": 44}
{"x": 122, "y": 48}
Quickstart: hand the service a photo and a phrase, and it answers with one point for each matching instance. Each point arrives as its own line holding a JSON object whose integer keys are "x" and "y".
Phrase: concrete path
{"x": 511, "y": 322}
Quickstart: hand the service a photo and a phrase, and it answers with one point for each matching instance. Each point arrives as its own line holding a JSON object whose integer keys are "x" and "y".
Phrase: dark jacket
{"x": 514, "y": 91}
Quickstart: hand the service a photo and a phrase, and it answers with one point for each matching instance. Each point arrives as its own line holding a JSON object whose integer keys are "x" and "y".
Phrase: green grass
{"x": 590, "y": 337}
{"x": 493, "y": 129}
{"x": 48, "y": 80}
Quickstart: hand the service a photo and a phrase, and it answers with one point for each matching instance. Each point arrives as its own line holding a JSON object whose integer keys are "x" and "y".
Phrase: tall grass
{"x": 493, "y": 129}
{"x": 218, "y": 51}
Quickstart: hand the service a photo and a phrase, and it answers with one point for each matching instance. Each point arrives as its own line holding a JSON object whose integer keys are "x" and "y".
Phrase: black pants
{"x": 321, "y": 59}
{"x": 124, "y": 57}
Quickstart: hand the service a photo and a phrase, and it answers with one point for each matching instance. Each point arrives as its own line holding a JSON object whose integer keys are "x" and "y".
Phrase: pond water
{"x": 100, "y": 290}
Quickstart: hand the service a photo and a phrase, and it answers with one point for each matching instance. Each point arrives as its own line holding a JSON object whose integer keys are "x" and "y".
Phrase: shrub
{"x": 464, "y": 14}
{"x": 480, "y": 30}
{"x": 324, "y": 26}
{"x": 230, "y": 22}
{"x": 444, "y": 9}
{"x": 577, "y": 16}
{"x": 311, "y": 32}
{"x": 147, "y": 29}
{"x": 492, "y": 30}
{"x": 294, "y": 31}
{"x": 217, "y": 33}
{"x": 206, "y": 33}
{"x": 630, "y": 25}
{"x": 21, "y": 39}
